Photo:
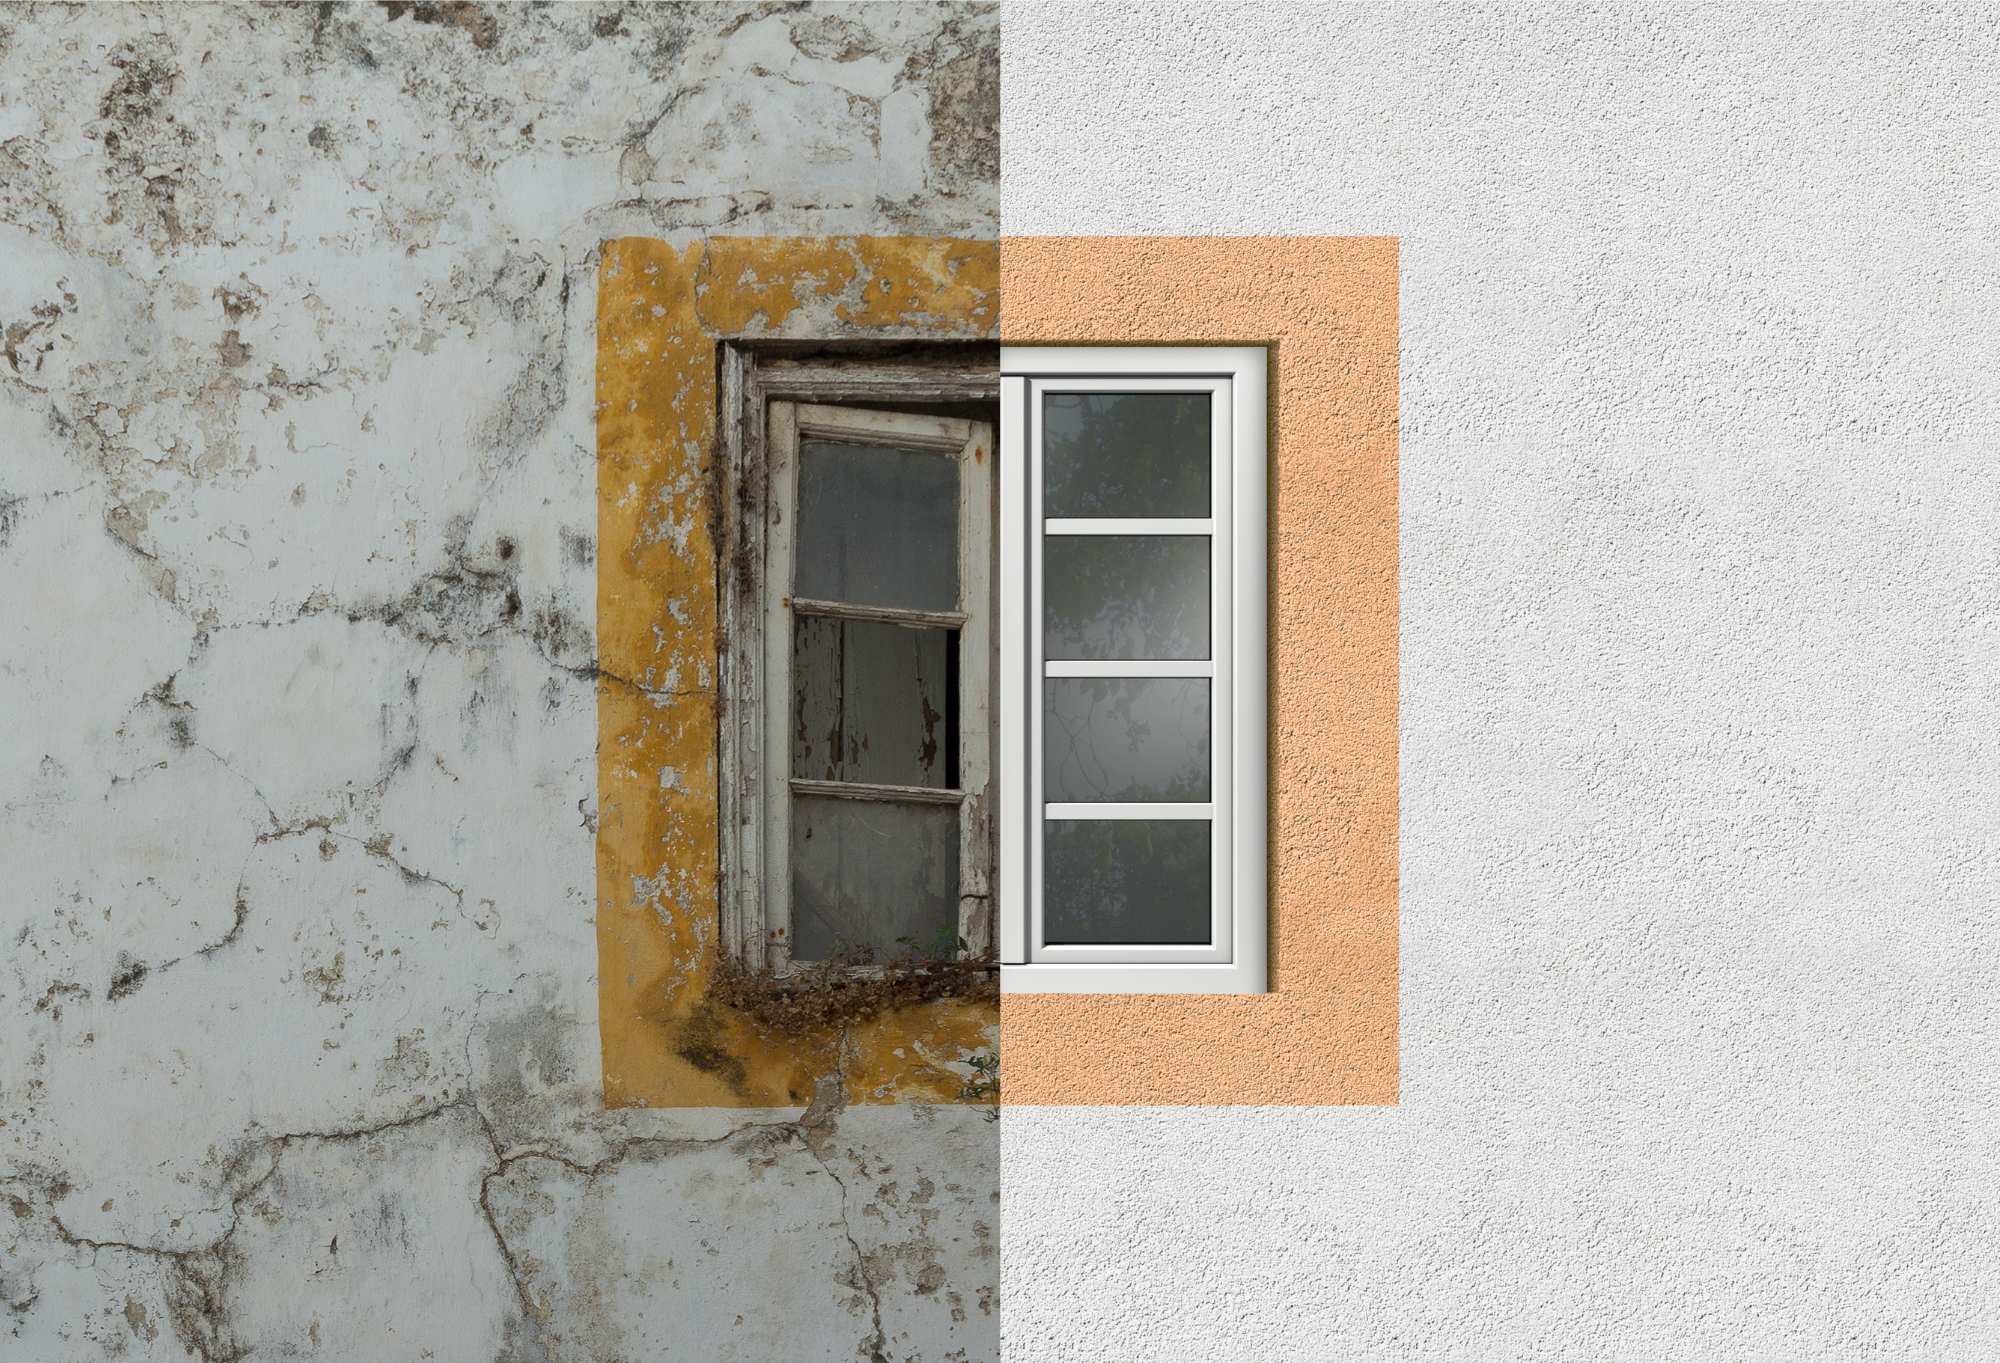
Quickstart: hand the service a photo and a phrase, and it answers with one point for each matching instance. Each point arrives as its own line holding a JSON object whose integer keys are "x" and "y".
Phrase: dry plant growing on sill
{"x": 984, "y": 1086}
{"x": 849, "y": 986}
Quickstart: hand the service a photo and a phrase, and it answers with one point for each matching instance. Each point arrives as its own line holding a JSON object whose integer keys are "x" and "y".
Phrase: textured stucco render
{"x": 1326, "y": 1031}
{"x": 1700, "y": 598}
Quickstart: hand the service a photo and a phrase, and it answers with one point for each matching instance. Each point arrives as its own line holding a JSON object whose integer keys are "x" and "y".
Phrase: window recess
{"x": 857, "y": 669}
{"x": 1131, "y": 694}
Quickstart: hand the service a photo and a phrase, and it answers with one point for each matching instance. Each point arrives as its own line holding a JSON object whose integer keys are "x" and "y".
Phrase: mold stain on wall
{"x": 299, "y": 1046}
{"x": 662, "y": 309}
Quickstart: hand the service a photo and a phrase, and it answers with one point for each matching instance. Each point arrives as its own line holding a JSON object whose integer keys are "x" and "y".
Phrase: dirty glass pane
{"x": 1125, "y": 596}
{"x": 877, "y": 527}
{"x": 1125, "y": 454}
{"x": 1143, "y": 881}
{"x": 1124, "y": 738}
{"x": 866, "y": 872}
{"x": 874, "y": 703}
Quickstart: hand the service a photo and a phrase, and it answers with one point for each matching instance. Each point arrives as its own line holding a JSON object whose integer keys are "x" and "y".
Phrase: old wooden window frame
{"x": 1235, "y": 959}
{"x": 754, "y": 657}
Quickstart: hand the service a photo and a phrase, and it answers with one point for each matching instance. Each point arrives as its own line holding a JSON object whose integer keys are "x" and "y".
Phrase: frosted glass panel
{"x": 866, "y": 872}
{"x": 1125, "y": 454}
{"x": 1121, "y": 738}
{"x": 1125, "y": 596}
{"x": 874, "y": 703}
{"x": 877, "y": 526}
{"x": 1140, "y": 881}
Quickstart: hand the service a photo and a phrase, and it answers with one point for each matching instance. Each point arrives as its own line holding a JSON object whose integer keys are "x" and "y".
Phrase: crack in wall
{"x": 200, "y": 1278}
{"x": 506, "y": 1159}
{"x": 816, "y": 1128}
{"x": 157, "y": 396}
{"x": 858, "y": 1277}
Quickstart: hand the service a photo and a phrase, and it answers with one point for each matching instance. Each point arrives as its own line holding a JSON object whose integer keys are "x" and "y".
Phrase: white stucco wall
{"x": 298, "y": 1008}
{"x": 1701, "y": 632}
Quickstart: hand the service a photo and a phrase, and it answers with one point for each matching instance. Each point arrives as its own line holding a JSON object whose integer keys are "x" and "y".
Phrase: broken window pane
{"x": 877, "y": 527}
{"x": 865, "y": 872}
{"x": 1122, "y": 738}
{"x": 1125, "y": 454}
{"x": 1138, "y": 881}
{"x": 1125, "y": 596}
{"x": 874, "y": 703}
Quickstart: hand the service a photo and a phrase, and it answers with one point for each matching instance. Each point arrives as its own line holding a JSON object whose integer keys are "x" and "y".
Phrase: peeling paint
{"x": 298, "y": 534}
{"x": 662, "y": 308}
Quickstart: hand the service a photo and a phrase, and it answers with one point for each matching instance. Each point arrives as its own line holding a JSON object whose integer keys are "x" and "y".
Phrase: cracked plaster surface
{"x": 297, "y": 672}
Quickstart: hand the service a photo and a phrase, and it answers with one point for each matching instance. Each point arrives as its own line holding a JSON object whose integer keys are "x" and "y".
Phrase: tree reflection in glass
{"x": 1125, "y": 739}
{"x": 1125, "y": 596}
{"x": 1142, "y": 881}
{"x": 1125, "y": 454}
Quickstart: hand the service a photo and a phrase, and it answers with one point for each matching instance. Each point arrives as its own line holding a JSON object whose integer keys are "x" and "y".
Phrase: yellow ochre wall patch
{"x": 662, "y": 309}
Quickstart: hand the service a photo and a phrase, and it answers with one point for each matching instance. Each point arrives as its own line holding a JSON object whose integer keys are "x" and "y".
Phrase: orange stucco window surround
{"x": 1326, "y": 1033}
{"x": 662, "y": 309}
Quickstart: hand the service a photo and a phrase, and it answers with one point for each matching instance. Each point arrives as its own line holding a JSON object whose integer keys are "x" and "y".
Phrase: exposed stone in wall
{"x": 297, "y": 667}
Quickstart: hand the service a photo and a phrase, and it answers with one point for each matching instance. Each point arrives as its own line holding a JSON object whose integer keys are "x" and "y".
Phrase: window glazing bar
{"x": 854, "y": 790}
{"x": 888, "y": 615}
{"x": 1128, "y": 667}
{"x": 1128, "y": 525}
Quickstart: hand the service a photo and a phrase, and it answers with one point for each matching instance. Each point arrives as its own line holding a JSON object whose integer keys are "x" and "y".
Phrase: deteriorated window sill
{"x": 821, "y": 996}
{"x": 863, "y": 974}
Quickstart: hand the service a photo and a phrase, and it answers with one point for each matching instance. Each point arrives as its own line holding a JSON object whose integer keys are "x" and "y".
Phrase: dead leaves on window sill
{"x": 843, "y": 991}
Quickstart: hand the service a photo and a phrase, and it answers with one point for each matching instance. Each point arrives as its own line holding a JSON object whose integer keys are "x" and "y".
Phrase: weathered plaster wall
{"x": 298, "y": 1015}
{"x": 1701, "y": 621}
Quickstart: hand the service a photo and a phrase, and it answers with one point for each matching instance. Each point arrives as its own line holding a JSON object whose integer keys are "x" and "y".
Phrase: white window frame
{"x": 753, "y": 776}
{"x": 970, "y": 443}
{"x": 1234, "y": 961}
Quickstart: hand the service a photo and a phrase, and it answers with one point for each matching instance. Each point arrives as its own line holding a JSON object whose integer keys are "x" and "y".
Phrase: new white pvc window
{"x": 1131, "y": 679}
